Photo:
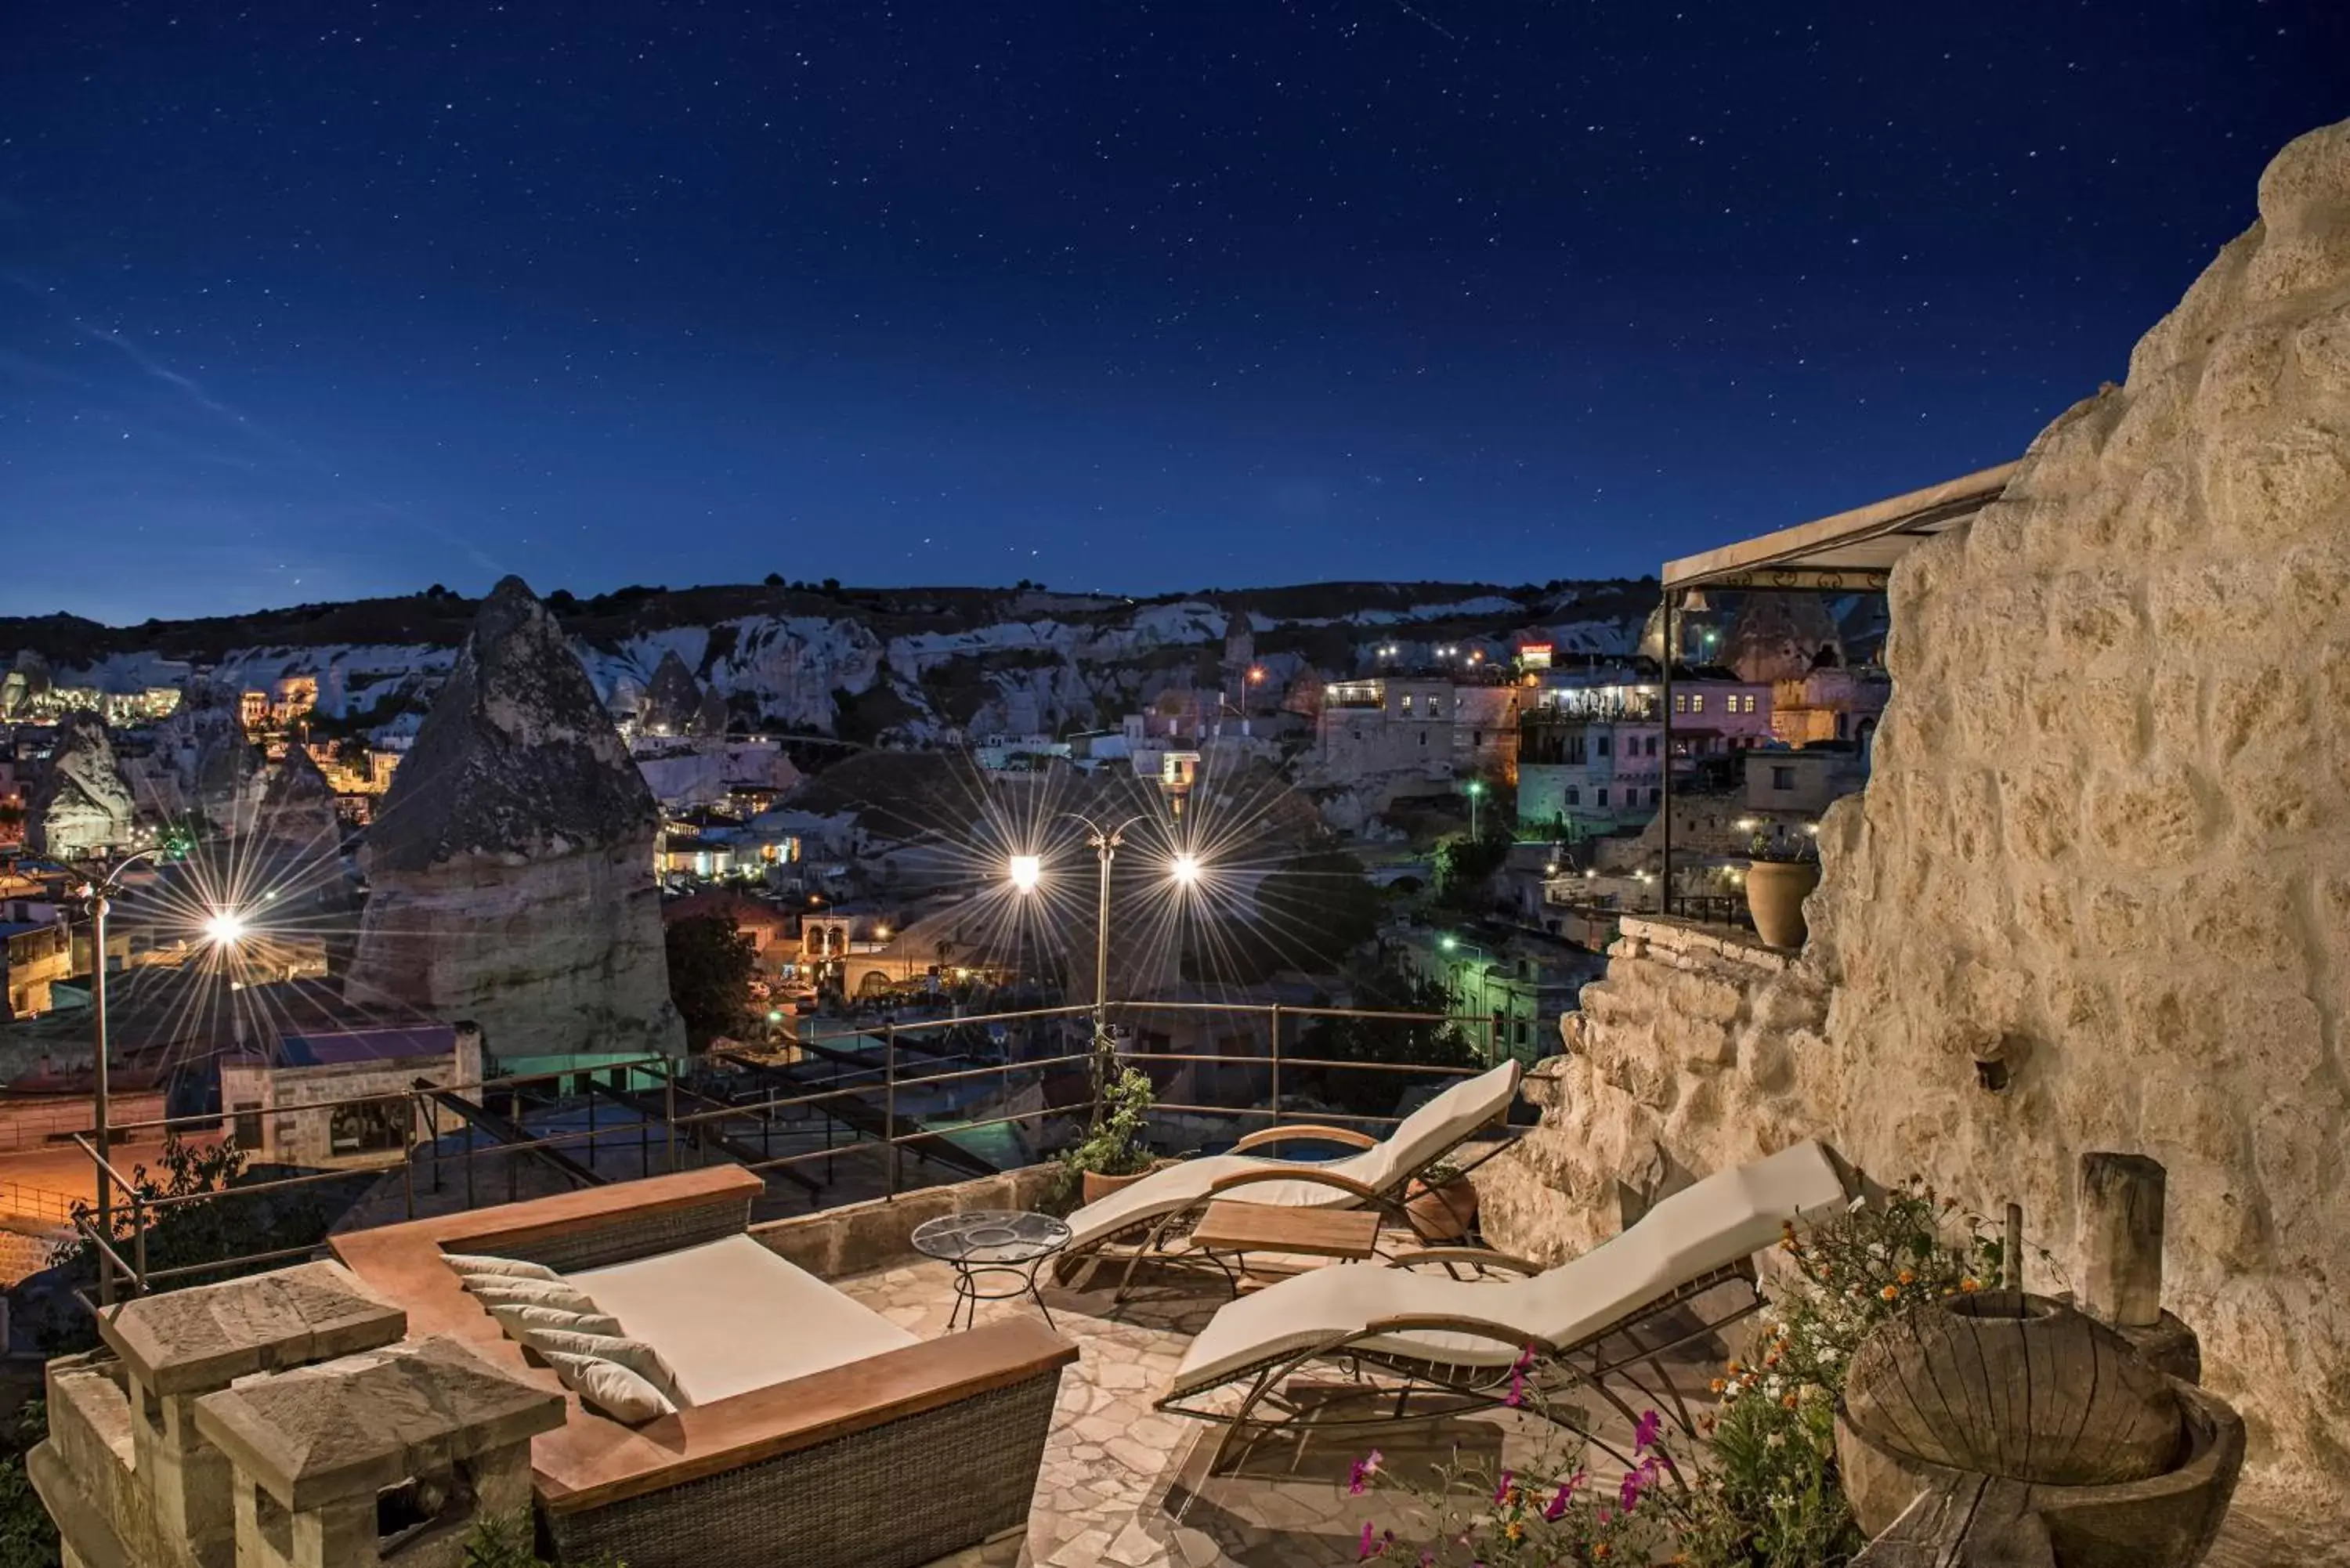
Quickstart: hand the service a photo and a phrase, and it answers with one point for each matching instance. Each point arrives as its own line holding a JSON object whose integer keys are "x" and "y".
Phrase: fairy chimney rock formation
{"x": 81, "y": 803}
{"x": 298, "y": 808}
{"x": 511, "y": 866}
{"x": 2106, "y": 846}
{"x": 672, "y": 698}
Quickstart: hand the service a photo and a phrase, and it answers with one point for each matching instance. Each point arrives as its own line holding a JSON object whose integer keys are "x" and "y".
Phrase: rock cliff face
{"x": 297, "y": 808}
{"x": 81, "y": 803}
{"x": 511, "y": 867}
{"x": 2097, "y": 894}
{"x": 672, "y": 698}
{"x": 209, "y": 765}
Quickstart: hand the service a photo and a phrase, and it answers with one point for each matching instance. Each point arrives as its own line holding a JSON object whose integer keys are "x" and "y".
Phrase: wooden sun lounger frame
{"x": 1077, "y": 1269}
{"x": 1463, "y": 1388}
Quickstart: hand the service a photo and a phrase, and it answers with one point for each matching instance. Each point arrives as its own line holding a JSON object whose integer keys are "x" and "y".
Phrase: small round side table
{"x": 1000, "y": 1241}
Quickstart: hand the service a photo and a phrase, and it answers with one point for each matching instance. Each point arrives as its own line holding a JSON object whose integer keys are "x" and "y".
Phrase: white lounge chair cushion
{"x": 730, "y": 1315}
{"x": 1703, "y": 1227}
{"x": 493, "y": 1290}
{"x": 634, "y": 1353}
{"x": 470, "y": 1264}
{"x": 612, "y": 1387}
{"x": 1439, "y": 1124}
{"x": 515, "y": 1319}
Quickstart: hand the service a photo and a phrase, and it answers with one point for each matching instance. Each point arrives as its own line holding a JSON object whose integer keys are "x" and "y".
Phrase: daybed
{"x": 815, "y": 1431}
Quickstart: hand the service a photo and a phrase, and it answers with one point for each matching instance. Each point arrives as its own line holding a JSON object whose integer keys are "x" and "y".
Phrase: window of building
{"x": 1697, "y": 702}
{"x": 1783, "y": 778}
{"x": 1476, "y": 737}
{"x": 1605, "y": 740}
{"x": 247, "y": 1129}
{"x": 1657, "y": 797}
{"x": 1652, "y": 745}
{"x": 369, "y": 1127}
{"x": 1600, "y": 796}
{"x": 1423, "y": 740}
{"x": 1573, "y": 795}
{"x": 1407, "y": 701}
{"x": 1680, "y": 701}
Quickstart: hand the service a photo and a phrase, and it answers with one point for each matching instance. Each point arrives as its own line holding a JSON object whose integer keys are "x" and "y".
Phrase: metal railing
{"x": 865, "y": 1067}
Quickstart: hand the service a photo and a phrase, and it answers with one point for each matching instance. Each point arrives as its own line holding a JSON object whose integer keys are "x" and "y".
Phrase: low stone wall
{"x": 858, "y": 1238}
{"x": 1689, "y": 1020}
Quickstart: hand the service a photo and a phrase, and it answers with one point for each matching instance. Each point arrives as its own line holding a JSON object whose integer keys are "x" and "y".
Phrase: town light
{"x": 1184, "y": 869}
{"x": 1026, "y": 871}
{"x": 881, "y": 933}
{"x": 224, "y": 927}
{"x": 1450, "y": 942}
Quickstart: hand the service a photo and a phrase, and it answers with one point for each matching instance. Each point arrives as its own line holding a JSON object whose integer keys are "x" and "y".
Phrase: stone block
{"x": 2268, "y": 487}
{"x": 2149, "y": 818}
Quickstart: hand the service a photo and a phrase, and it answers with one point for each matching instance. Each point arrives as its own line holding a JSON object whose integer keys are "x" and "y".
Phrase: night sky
{"x": 1101, "y": 294}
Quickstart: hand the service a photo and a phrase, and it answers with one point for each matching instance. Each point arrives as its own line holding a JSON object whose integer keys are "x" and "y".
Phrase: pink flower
{"x": 1501, "y": 1492}
{"x": 1644, "y": 1436}
{"x": 1364, "y": 1470}
{"x": 1558, "y": 1504}
{"x": 1628, "y": 1494}
{"x": 1517, "y": 1395}
{"x": 1372, "y": 1544}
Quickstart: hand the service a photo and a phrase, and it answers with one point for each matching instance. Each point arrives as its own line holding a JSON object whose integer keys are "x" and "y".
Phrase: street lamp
{"x": 1184, "y": 868}
{"x": 1476, "y": 789}
{"x": 97, "y": 897}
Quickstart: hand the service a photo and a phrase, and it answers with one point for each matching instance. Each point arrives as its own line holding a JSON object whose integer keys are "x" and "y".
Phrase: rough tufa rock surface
{"x": 672, "y": 698}
{"x": 511, "y": 867}
{"x": 2106, "y": 851}
{"x": 210, "y": 761}
{"x": 82, "y": 803}
{"x": 298, "y": 808}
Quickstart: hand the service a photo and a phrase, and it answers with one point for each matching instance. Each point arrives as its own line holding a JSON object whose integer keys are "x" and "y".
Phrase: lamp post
{"x": 1026, "y": 871}
{"x": 1476, "y": 791}
{"x": 97, "y": 897}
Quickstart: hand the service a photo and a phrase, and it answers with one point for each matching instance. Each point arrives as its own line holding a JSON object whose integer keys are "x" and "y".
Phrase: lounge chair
{"x": 1168, "y": 1199}
{"x": 1458, "y": 1341}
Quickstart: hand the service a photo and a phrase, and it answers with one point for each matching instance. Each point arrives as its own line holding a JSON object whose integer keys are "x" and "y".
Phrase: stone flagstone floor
{"x": 1126, "y": 1486}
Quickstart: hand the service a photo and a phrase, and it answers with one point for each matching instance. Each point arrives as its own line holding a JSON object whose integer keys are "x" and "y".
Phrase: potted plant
{"x": 1114, "y": 1151}
{"x": 1782, "y": 869}
{"x": 1442, "y": 1202}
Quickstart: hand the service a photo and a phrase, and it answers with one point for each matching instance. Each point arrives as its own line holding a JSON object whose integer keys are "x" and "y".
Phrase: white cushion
{"x": 730, "y": 1316}
{"x": 634, "y": 1353}
{"x": 611, "y": 1387}
{"x": 515, "y": 1319}
{"x": 492, "y": 1291}
{"x": 470, "y": 1264}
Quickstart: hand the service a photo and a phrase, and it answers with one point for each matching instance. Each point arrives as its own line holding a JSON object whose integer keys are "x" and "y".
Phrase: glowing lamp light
{"x": 1450, "y": 943}
{"x": 1027, "y": 870}
{"x": 1185, "y": 870}
{"x": 775, "y": 1015}
{"x": 224, "y": 927}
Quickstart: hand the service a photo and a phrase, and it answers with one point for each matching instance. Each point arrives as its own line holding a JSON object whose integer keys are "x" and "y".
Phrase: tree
{"x": 831, "y": 585}
{"x": 1420, "y": 1043}
{"x": 774, "y": 579}
{"x": 711, "y": 963}
{"x": 563, "y": 600}
{"x": 1463, "y": 866}
{"x": 1317, "y": 910}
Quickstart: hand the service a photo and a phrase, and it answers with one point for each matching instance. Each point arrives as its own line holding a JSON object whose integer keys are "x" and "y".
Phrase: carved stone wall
{"x": 2097, "y": 893}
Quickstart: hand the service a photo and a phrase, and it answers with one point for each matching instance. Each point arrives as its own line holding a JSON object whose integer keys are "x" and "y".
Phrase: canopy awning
{"x": 1850, "y": 550}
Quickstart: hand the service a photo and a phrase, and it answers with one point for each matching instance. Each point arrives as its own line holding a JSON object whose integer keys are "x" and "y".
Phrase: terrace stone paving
{"x": 1125, "y": 1485}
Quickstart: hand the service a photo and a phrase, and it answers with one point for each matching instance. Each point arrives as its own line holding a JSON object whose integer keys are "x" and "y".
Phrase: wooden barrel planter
{"x": 2014, "y": 1418}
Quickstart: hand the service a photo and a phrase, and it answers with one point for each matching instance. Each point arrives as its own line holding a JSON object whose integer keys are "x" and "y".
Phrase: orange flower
{"x": 1970, "y": 1285}
{"x": 1734, "y": 1367}
{"x": 1790, "y": 1401}
{"x": 1718, "y": 1386}
{"x": 1771, "y": 1359}
{"x": 1515, "y": 1529}
{"x": 1601, "y": 1550}
{"x": 1907, "y": 1276}
{"x": 1890, "y": 1292}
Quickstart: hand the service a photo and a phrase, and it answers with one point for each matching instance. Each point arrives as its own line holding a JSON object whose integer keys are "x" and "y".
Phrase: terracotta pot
{"x": 1098, "y": 1187}
{"x": 1775, "y": 891}
{"x": 1441, "y": 1213}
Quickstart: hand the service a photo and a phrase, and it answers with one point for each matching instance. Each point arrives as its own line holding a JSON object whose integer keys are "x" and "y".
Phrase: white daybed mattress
{"x": 730, "y": 1316}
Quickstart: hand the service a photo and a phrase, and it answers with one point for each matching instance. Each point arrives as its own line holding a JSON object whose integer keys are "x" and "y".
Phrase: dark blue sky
{"x": 1098, "y": 292}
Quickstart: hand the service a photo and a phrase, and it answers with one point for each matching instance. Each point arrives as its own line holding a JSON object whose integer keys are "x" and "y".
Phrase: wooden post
{"x": 2011, "y": 1255}
{"x": 2118, "y": 1235}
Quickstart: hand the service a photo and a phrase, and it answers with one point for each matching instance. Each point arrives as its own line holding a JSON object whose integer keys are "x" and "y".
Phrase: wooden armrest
{"x": 763, "y": 1424}
{"x": 1346, "y": 1136}
{"x": 1293, "y": 1172}
{"x": 1480, "y": 1257}
{"x": 1455, "y": 1322}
